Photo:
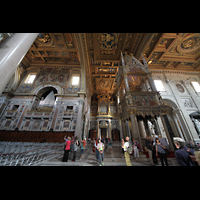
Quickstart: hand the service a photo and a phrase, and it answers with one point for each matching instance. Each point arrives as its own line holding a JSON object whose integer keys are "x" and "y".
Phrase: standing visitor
{"x": 161, "y": 152}
{"x": 155, "y": 160}
{"x": 122, "y": 143}
{"x": 183, "y": 153}
{"x": 65, "y": 138}
{"x": 76, "y": 144}
{"x": 135, "y": 147}
{"x": 149, "y": 149}
{"x": 84, "y": 143}
{"x": 67, "y": 149}
{"x": 96, "y": 150}
{"x": 82, "y": 148}
{"x": 100, "y": 148}
{"x": 93, "y": 145}
{"x": 110, "y": 145}
{"x": 72, "y": 147}
{"x": 126, "y": 153}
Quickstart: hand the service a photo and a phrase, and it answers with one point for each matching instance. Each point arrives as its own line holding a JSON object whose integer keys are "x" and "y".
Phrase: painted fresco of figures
{"x": 137, "y": 101}
{"x": 142, "y": 101}
{"x": 147, "y": 101}
{"x": 60, "y": 78}
{"x": 152, "y": 100}
{"x": 43, "y": 79}
{"x": 53, "y": 75}
{"x": 129, "y": 99}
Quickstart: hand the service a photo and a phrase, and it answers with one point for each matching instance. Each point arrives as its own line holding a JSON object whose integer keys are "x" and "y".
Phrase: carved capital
{"x": 131, "y": 110}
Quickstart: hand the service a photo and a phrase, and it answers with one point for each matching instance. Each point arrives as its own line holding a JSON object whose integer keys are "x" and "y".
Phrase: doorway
{"x": 115, "y": 135}
{"x": 103, "y": 133}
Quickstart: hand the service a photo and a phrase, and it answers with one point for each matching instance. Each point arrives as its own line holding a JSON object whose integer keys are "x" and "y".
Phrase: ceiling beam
{"x": 197, "y": 66}
{"x": 145, "y": 40}
{"x": 156, "y": 43}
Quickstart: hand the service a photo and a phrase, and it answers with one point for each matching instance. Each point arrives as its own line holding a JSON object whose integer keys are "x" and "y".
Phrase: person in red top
{"x": 67, "y": 149}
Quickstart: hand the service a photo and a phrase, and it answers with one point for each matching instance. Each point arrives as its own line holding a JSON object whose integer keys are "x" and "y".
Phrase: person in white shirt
{"x": 127, "y": 156}
{"x": 100, "y": 148}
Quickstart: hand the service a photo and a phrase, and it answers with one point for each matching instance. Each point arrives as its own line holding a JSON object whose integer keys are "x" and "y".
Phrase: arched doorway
{"x": 45, "y": 91}
{"x": 47, "y": 97}
{"x": 174, "y": 121}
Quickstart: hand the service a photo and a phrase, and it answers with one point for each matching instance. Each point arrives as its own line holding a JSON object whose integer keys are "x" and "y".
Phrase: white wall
{"x": 183, "y": 102}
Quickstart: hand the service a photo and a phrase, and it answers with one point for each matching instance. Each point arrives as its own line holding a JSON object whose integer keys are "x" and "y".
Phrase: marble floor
{"x": 89, "y": 159}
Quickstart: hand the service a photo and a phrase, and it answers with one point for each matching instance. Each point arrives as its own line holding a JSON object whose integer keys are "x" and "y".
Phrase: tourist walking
{"x": 100, "y": 148}
{"x": 67, "y": 149}
{"x": 126, "y": 153}
{"x": 161, "y": 152}
{"x": 183, "y": 154}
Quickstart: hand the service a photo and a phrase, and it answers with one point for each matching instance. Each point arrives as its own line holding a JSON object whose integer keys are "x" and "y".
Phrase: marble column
{"x": 109, "y": 134}
{"x": 141, "y": 128}
{"x": 120, "y": 128}
{"x": 128, "y": 130}
{"x": 146, "y": 127}
{"x": 155, "y": 123}
{"x": 126, "y": 82}
{"x": 109, "y": 113}
{"x": 151, "y": 81}
{"x": 78, "y": 130}
{"x": 135, "y": 129}
{"x": 12, "y": 51}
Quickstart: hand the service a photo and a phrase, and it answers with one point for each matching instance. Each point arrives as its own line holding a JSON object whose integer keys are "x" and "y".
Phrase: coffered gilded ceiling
{"x": 54, "y": 48}
{"x": 102, "y": 52}
{"x": 173, "y": 51}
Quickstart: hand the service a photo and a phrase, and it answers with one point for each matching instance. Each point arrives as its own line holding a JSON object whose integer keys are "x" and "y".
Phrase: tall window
{"x": 75, "y": 80}
{"x": 159, "y": 85}
{"x": 30, "y": 78}
{"x": 196, "y": 86}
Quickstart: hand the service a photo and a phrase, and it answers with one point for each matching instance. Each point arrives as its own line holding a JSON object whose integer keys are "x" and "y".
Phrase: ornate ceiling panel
{"x": 54, "y": 48}
{"x": 162, "y": 51}
{"x": 104, "y": 51}
{"x": 174, "y": 51}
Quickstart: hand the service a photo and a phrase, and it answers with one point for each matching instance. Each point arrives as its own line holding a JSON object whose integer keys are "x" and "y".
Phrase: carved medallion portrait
{"x": 180, "y": 88}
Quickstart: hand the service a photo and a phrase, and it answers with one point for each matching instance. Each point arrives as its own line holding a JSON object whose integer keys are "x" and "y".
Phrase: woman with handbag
{"x": 161, "y": 152}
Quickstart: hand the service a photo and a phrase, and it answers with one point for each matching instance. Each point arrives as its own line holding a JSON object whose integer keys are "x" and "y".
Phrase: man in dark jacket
{"x": 183, "y": 153}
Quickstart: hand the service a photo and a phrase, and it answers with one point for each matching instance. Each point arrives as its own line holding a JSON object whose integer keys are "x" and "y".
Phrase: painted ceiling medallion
{"x": 109, "y": 43}
{"x": 189, "y": 43}
{"x": 44, "y": 39}
{"x": 104, "y": 83}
